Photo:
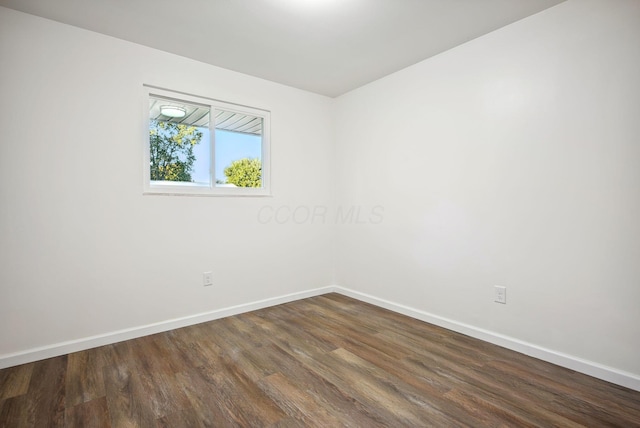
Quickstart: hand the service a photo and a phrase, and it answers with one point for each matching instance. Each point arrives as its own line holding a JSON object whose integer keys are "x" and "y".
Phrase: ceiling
{"x": 324, "y": 46}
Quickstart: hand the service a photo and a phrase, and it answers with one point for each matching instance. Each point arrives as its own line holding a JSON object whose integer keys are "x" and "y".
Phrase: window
{"x": 200, "y": 146}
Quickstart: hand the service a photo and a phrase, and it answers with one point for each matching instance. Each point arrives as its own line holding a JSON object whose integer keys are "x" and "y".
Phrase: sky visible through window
{"x": 230, "y": 146}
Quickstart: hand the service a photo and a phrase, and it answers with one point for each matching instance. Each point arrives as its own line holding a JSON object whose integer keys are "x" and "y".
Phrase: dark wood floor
{"x": 325, "y": 361}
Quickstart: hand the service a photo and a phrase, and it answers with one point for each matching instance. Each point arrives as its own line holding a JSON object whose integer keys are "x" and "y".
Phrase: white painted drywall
{"x": 511, "y": 160}
{"x": 82, "y": 251}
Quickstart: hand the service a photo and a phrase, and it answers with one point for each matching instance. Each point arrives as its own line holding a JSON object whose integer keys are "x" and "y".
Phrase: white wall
{"x": 83, "y": 252}
{"x": 512, "y": 160}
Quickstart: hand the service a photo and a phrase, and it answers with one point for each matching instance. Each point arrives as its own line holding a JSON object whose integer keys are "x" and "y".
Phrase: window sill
{"x": 207, "y": 191}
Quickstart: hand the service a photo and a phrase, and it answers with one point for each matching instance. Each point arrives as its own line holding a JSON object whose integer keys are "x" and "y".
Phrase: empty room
{"x": 364, "y": 213}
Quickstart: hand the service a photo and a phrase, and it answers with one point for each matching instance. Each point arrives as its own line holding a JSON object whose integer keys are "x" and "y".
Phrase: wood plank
{"x": 192, "y": 352}
{"x": 84, "y": 380}
{"x": 300, "y": 406}
{"x": 407, "y": 405}
{"x": 155, "y": 369}
{"x": 89, "y": 414}
{"x": 244, "y": 399}
{"x": 324, "y": 361}
{"x": 208, "y": 408}
{"x": 561, "y": 399}
{"x": 46, "y": 394}
{"x": 340, "y": 403}
{"x": 15, "y": 412}
{"x": 126, "y": 399}
{"x": 187, "y": 417}
{"x": 14, "y": 381}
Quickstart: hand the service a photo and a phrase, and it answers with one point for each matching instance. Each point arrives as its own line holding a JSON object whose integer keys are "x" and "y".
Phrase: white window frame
{"x": 193, "y": 189}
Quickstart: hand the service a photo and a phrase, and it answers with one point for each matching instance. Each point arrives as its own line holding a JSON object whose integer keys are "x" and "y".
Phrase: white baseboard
{"x": 590, "y": 368}
{"x": 40, "y": 353}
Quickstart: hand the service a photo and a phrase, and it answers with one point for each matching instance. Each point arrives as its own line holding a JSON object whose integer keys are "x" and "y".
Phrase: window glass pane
{"x": 203, "y": 146}
{"x": 179, "y": 143}
{"x": 238, "y": 146}
{"x": 201, "y": 174}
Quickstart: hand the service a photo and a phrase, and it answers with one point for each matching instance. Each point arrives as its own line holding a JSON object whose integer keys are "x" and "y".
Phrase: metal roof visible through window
{"x": 199, "y": 116}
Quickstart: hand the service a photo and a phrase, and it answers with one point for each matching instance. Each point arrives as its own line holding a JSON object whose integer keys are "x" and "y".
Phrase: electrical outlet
{"x": 500, "y": 294}
{"x": 207, "y": 278}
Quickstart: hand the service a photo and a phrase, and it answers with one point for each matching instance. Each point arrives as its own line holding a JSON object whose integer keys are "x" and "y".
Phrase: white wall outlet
{"x": 500, "y": 294}
{"x": 207, "y": 278}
